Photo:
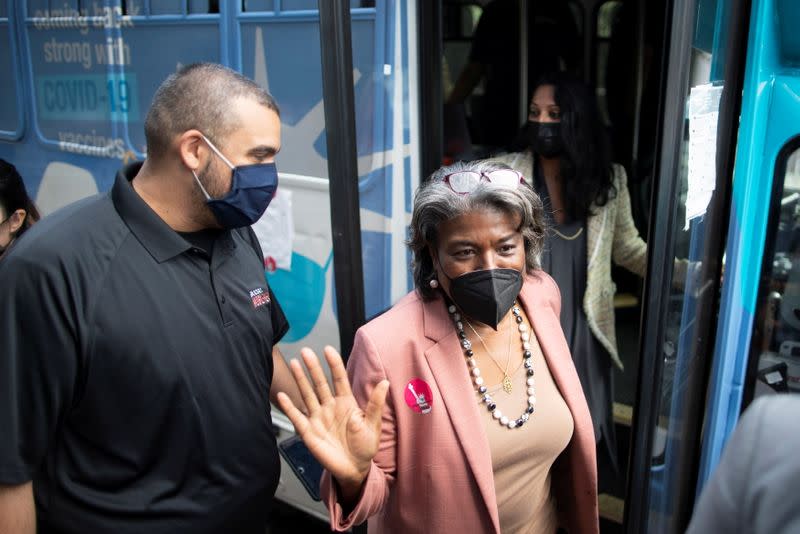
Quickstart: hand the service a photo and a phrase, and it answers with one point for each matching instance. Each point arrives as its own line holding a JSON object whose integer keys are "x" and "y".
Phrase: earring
{"x": 434, "y": 283}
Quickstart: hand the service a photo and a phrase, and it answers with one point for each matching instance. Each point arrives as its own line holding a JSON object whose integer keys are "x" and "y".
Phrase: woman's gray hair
{"x": 436, "y": 203}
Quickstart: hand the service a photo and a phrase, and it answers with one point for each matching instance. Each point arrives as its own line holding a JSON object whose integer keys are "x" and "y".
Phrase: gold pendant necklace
{"x": 508, "y": 386}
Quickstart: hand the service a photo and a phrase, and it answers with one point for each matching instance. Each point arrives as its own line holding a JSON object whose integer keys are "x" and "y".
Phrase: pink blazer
{"x": 433, "y": 471}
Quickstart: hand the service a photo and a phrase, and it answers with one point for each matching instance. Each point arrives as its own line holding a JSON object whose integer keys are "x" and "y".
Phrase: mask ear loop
{"x": 217, "y": 152}
{"x": 203, "y": 189}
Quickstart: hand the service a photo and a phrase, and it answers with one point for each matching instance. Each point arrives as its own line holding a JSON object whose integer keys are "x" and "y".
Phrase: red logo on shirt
{"x": 259, "y": 297}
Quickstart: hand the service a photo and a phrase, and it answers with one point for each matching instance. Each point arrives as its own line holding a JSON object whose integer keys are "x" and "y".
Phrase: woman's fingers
{"x": 297, "y": 418}
{"x": 341, "y": 385}
{"x": 317, "y": 375}
{"x": 377, "y": 399}
{"x": 306, "y": 391}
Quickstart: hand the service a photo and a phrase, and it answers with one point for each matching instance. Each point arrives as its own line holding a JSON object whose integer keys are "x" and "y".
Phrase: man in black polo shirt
{"x": 137, "y": 333}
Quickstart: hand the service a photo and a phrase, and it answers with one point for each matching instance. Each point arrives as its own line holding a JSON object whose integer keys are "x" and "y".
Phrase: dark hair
{"x": 198, "y": 96}
{"x": 435, "y": 203}
{"x": 586, "y": 167}
{"x": 13, "y": 196}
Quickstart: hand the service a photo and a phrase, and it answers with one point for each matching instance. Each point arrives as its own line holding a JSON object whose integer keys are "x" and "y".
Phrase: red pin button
{"x": 418, "y": 396}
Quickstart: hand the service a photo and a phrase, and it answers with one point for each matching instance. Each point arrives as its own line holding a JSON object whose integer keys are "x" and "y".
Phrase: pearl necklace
{"x": 477, "y": 379}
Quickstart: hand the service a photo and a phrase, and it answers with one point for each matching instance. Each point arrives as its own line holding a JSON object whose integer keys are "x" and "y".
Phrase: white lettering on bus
{"x": 68, "y": 52}
{"x": 101, "y": 17}
{"x": 92, "y": 144}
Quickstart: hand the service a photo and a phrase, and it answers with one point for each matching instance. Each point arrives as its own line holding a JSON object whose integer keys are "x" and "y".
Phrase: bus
{"x": 699, "y": 97}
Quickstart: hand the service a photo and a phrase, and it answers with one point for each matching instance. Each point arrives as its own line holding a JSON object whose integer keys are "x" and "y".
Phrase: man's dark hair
{"x": 13, "y": 196}
{"x": 199, "y": 97}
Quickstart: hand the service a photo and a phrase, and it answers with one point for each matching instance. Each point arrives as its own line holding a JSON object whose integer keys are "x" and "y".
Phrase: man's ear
{"x": 192, "y": 149}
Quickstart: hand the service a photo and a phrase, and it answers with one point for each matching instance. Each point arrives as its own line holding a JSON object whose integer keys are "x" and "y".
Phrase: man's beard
{"x": 210, "y": 180}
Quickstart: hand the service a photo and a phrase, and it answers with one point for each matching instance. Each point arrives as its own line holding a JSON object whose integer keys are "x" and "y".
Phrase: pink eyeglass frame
{"x": 483, "y": 176}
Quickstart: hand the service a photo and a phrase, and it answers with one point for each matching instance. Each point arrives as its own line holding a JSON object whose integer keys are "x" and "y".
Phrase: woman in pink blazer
{"x": 473, "y": 416}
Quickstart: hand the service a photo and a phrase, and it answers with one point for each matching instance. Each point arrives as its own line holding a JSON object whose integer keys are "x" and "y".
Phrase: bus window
{"x": 156, "y": 46}
{"x": 54, "y": 9}
{"x": 258, "y": 5}
{"x": 94, "y": 76}
{"x": 75, "y": 99}
{"x": 10, "y": 120}
{"x": 312, "y": 5}
{"x": 37, "y": 8}
{"x": 197, "y": 7}
{"x": 294, "y": 77}
{"x": 166, "y": 7}
{"x": 169, "y": 7}
{"x": 606, "y": 22}
{"x": 299, "y": 5}
{"x": 460, "y": 21}
{"x": 775, "y": 346}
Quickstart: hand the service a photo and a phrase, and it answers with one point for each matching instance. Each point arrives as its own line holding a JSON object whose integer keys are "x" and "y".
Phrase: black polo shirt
{"x": 135, "y": 372}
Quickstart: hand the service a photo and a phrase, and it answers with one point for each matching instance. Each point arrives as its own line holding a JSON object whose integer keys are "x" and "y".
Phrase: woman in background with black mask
{"x": 586, "y": 199}
{"x": 17, "y": 211}
{"x": 473, "y": 415}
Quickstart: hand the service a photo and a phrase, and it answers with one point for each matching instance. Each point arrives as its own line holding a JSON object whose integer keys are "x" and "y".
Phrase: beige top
{"x": 522, "y": 457}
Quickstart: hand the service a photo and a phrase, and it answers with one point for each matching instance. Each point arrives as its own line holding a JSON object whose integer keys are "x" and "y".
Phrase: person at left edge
{"x": 137, "y": 340}
{"x": 17, "y": 210}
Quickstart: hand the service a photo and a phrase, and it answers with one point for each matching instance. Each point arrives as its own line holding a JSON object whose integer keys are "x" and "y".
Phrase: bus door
{"x": 686, "y": 245}
{"x": 758, "y": 346}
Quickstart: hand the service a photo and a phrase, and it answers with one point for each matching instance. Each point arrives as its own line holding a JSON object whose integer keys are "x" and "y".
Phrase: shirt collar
{"x": 161, "y": 241}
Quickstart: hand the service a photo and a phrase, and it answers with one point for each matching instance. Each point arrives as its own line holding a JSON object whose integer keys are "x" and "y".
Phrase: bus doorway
{"x": 493, "y": 52}
{"x": 671, "y": 89}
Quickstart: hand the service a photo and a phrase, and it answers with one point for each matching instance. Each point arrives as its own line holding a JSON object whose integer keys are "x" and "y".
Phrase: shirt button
{"x": 223, "y": 299}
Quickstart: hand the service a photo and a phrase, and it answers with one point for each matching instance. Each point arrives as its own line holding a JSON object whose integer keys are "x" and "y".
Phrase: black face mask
{"x": 487, "y": 295}
{"x": 545, "y": 138}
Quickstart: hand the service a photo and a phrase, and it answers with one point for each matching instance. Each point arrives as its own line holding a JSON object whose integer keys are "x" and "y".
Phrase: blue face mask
{"x": 252, "y": 189}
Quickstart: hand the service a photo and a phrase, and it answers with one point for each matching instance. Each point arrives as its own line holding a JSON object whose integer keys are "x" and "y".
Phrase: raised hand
{"x": 341, "y": 436}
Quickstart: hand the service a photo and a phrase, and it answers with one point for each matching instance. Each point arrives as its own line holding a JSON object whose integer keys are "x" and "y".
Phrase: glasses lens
{"x": 504, "y": 178}
{"x": 464, "y": 182}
